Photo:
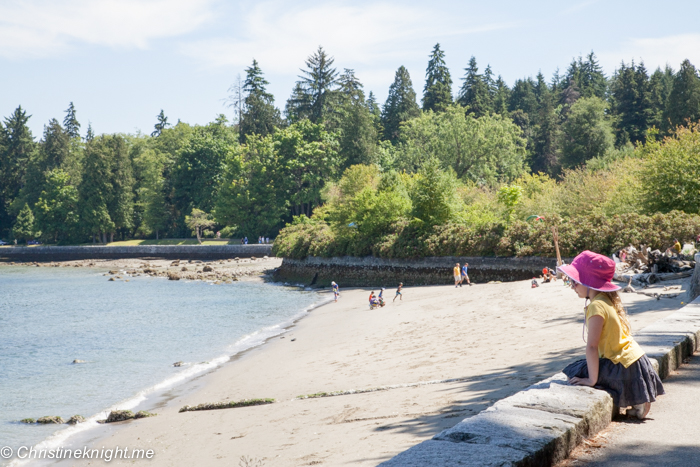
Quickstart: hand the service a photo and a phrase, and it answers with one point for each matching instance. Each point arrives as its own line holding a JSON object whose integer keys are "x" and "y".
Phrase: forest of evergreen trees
{"x": 254, "y": 175}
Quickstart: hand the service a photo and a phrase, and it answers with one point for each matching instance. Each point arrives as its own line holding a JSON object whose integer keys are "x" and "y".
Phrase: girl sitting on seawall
{"x": 614, "y": 361}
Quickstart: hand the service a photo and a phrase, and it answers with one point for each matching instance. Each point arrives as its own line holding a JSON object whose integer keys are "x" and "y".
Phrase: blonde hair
{"x": 621, "y": 312}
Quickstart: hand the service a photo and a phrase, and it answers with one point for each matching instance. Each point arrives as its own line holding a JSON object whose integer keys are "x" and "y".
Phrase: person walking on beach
{"x": 614, "y": 361}
{"x": 336, "y": 292}
{"x": 458, "y": 275}
{"x": 398, "y": 292}
{"x": 465, "y": 275}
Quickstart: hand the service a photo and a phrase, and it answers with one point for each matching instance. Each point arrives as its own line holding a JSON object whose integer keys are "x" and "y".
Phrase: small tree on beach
{"x": 24, "y": 226}
{"x": 198, "y": 221}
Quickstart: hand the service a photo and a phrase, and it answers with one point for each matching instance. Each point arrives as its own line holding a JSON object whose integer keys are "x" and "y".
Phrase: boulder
{"x": 27, "y": 420}
{"x": 144, "y": 414}
{"x": 49, "y": 420}
{"x": 119, "y": 416}
{"x": 75, "y": 419}
{"x": 111, "y": 279}
{"x": 114, "y": 272}
{"x": 173, "y": 276}
{"x": 178, "y": 364}
{"x": 184, "y": 268}
{"x": 78, "y": 361}
{"x": 207, "y": 269}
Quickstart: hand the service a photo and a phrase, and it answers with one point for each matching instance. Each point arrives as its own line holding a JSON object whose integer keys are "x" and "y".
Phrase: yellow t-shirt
{"x": 677, "y": 247}
{"x": 614, "y": 344}
{"x": 456, "y": 271}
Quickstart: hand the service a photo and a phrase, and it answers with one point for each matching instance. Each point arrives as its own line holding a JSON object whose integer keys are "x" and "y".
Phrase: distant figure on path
{"x": 398, "y": 292}
{"x": 218, "y": 234}
{"x": 336, "y": 292}
{"x": 614, "y": 361}
{"x": 245, "y": 240}
{"x": 458, "y": 275}
{"x": 465, "y": 275}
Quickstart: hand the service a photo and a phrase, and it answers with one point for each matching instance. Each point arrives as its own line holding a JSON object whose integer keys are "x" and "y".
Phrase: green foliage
{"x": 684, "y": 100}
{"x": 586, "y": 133}
{"x": 70, "y": 122}
{"x": 56, "y": 210}
{"x": 509, "y": 196}
{"x": 485, "y": 150}
{"x": 24, "y": 225}
{"x": 672, "y": 172}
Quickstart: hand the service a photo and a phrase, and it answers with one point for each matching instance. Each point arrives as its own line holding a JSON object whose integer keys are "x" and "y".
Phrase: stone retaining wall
{"x": 369, "y": 271}
{"x": 68, "y": 253}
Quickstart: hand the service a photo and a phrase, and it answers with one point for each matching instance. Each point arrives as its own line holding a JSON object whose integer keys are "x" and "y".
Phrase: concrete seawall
{"x": 369, "y": 271}
{"x": 68, "y": 253}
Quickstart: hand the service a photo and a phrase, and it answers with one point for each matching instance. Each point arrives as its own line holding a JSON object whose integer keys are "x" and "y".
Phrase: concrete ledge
{"x": 68, "y": 253}
{"x": 542, "y": 424}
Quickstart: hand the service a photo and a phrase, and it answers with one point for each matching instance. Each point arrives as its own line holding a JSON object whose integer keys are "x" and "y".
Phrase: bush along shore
{"x": 409, "y": 239}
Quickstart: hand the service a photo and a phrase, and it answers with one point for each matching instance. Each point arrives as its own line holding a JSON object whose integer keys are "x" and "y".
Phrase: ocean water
{"x": 128, "y": 333}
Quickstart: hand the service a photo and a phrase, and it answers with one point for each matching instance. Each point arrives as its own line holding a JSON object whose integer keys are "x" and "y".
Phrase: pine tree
{"x": 660, "y": 86}
{"x": 358, "y": 132}
{"x": 94, "y": 191}
{"x": 161, "y": 125}
{"x": 437, "y": 93}
{"x": 588, "y": 76}
{"x": 501, "y": 97}
{"x": 89, "y": 134}
{"x": 376, "y": 113}
{"x": 684, "y": 100}
{"x": 523, "y": 97}
{"x": 474, "y": 93}
{"x": 313, "y": 97}
{"x": 400, "y": 104}
{"x": 631, "y": 103}
{"x": 19, "y": 147}
{"x": 259, "y": 115}
{"x": 70, "y": 123}
{"x": 55, "y": 146}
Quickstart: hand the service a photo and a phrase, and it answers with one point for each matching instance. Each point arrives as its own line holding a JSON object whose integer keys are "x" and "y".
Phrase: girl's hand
{"x": 581, "y": 382}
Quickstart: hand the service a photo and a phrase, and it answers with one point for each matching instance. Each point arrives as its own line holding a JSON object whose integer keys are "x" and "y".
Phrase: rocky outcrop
{"x": 50, "y": 420}
{"x": 175, "y": 252}
{"x": 75, "y": 419}
{"x": 370, "y": 272}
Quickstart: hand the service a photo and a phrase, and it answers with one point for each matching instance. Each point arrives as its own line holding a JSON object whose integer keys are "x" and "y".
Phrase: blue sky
{"x": 121, "y": 61}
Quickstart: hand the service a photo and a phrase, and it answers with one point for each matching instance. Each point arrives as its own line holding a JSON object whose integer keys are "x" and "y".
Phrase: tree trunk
{"x": 111, "y": 237}
{"x": 199, "y": 235}
{"x": 156, "y": 235}
{"x": 93, "y": 239}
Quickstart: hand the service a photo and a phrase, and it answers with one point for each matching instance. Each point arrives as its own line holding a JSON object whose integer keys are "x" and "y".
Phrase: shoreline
{"x": 214, "y": 271}
{"x": 345, "y": 346}
{"x": 154, "y": 397}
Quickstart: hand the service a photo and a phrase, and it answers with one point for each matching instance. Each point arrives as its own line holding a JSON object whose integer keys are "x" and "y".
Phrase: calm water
{"x": 129, "y": 333}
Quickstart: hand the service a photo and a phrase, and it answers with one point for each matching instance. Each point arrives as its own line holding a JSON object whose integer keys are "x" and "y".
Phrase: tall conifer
{"x": 259, "y": 116}
{"x": 684, "y": 100}
{"x": 437, "y": 93}
{"x": 70, "y": 122}
{"x": 474, "y": 93}
{"x": 313, "y": 97}
{"x": 400, "y": 104}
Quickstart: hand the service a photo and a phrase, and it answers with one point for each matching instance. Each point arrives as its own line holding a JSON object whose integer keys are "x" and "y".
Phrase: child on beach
{"x": 465, "y": 273}
{"x": 458, "y": 275}
{"x": 614, "y": 361}
{"x": 398, "y": 293}
{"x": 336, "y": 292}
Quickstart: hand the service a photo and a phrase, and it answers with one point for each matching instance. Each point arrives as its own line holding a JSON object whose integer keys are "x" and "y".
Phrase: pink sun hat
{"x": 592, "y": 270}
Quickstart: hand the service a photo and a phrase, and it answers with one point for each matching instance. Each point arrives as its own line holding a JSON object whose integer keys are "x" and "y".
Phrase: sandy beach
{"x": 495, "y": 339}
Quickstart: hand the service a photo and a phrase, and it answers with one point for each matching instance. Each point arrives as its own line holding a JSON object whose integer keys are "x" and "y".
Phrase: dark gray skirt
{"x": 637, "y": 384}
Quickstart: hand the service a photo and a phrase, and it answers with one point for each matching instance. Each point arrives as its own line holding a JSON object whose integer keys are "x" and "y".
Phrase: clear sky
{"x": 121, "y": 61}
